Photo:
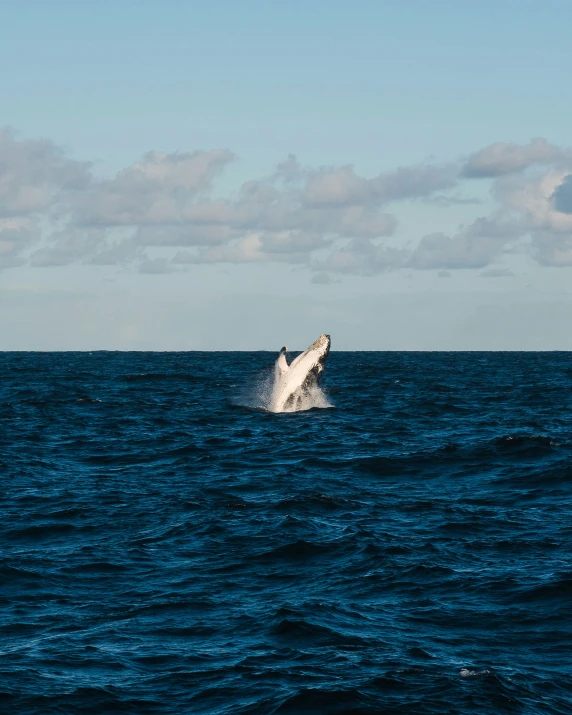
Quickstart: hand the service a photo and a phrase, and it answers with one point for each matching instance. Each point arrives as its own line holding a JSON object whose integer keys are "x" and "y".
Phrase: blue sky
{"x": 111, "y": 251}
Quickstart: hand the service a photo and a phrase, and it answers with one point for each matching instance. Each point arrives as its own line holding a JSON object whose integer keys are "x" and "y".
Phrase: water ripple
{"x": 165, "y": 548}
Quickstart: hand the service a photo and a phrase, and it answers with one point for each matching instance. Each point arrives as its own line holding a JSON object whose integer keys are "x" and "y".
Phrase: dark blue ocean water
{"x": 166, "y": 549}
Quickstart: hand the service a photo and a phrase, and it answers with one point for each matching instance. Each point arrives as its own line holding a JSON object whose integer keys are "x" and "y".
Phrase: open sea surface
{"x": 166, "y": 546}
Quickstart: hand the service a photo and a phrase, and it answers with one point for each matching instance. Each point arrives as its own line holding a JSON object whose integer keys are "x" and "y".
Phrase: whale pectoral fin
{"x": 281, "y": 365}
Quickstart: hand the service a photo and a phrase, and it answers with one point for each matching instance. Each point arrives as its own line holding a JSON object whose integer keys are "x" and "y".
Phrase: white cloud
{"x": 534, "y": 200}
{"x": 475, "y": 246}
{"x": 34, "y": 175}
{"x": 184, "y": 235}
{"x": 436, "y": 250}
{"x": 17, "y": 235}
{"x": 342, "y": 187}
{"x": 552, "y": 249}
{"x": 328, "y": 219}
{"x": 156, "y": 190}
{"x": 502, "y": 158}
{"x": 68, "y": 246}
{"x": 363, "y": 257}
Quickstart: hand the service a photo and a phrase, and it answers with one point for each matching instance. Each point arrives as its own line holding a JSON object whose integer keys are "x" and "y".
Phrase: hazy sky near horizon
{"x": 225, "y": 175}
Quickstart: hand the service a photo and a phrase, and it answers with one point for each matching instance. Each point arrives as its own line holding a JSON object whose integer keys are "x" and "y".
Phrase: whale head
{"x": 321, "y": 349}
{"x": 322, "y": 344}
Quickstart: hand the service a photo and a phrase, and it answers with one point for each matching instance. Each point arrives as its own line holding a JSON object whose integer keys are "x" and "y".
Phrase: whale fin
{"x": 281, "y": 367}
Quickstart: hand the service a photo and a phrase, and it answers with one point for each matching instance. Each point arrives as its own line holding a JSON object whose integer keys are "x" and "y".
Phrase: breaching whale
{"x": 292, "y": 382}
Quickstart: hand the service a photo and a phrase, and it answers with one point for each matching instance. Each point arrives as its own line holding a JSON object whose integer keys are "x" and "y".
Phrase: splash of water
{"x": 307, "y": 400}
{"x": 301, "y": 399}
{"x": 259, "y": 396}
{"x": 266, "y": 393}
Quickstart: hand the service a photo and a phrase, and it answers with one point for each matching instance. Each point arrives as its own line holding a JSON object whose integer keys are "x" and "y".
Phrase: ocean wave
{"x": 166, "y": 550}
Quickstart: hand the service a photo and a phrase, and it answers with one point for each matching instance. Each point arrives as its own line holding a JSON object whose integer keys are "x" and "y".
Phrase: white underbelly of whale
{"x": 292, "y": 382}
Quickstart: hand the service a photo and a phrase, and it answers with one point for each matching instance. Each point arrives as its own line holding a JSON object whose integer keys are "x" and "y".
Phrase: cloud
{"x": 54, "y": 212}
{"x": 363, "y": 257}
{"x": 497, "y": 273}
{"x": 16, "y": 236}
{"x": 248, "y": 249}
{"x": 184, "y": 235}
{"x": 35, "y": 175}
{"x": 538, "y": 201}
{"x": 475, "y": 246}
{"x": 290, "y": 170}
{"x": 321, "y": 279}
{"x": 436, "y": 250}
{"x": 446, "y": 201}
{"x": 552, "y": 250}
{"x": 349, "y": 222}
{"x": 156, "y": 190}
{"x": 500, "y": 159}
{"x": 342, "y": 187}
{"x": 36, "y": 179}
{"x": 68, "y": 246}
{"x": 115, "y": 252}
{"x": 283, "y": 246}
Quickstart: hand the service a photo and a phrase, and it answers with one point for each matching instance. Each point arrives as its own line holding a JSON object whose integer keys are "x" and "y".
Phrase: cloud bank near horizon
{"x": 163, "y": 214}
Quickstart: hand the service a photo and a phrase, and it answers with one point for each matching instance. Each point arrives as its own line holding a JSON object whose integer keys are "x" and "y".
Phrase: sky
{"x": 235, "y": 176}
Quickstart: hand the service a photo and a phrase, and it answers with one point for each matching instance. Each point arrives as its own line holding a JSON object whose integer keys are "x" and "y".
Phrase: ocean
{"x": 168, "y": 547}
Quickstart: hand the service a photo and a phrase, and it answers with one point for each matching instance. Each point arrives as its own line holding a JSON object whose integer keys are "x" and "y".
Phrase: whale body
{"x": 292, "y": 382}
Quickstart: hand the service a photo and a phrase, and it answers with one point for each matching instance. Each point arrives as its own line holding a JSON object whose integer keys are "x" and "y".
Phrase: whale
{"x": 295, "y": 380}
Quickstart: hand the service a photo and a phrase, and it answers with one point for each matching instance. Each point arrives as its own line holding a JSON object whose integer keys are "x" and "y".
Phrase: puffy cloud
{"x": 363, "y": 257}
{"x": 533, "y": 199}
{"x": 342, "y": 187}
{"x": 68, "y": 246}
{"x": 248, "y": 249}
{"x": 34, "y": 175}
{"x": 283, "y": 246}
{"x": 551, "y": 249}
{"x": 500, "y": 158}
{"x": 165, "y": 200}
{"x": 337, "y": 187}
{"x": 349, "y": 222}
{"x": 538, "y": 201}
{"x": 16, "y": 236}
{"x": 329, "y": 219}
{"x": 115, "y": 252}
{"x": 415, "y": 182}
{"x": 36, "y": 178}
{"x": 475, "y": 246}
{"x": 436, "y": 250}
{"x": 184, "y": 235}
{"x": 290, "y": 170}
{"x": 156, "y": 190}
